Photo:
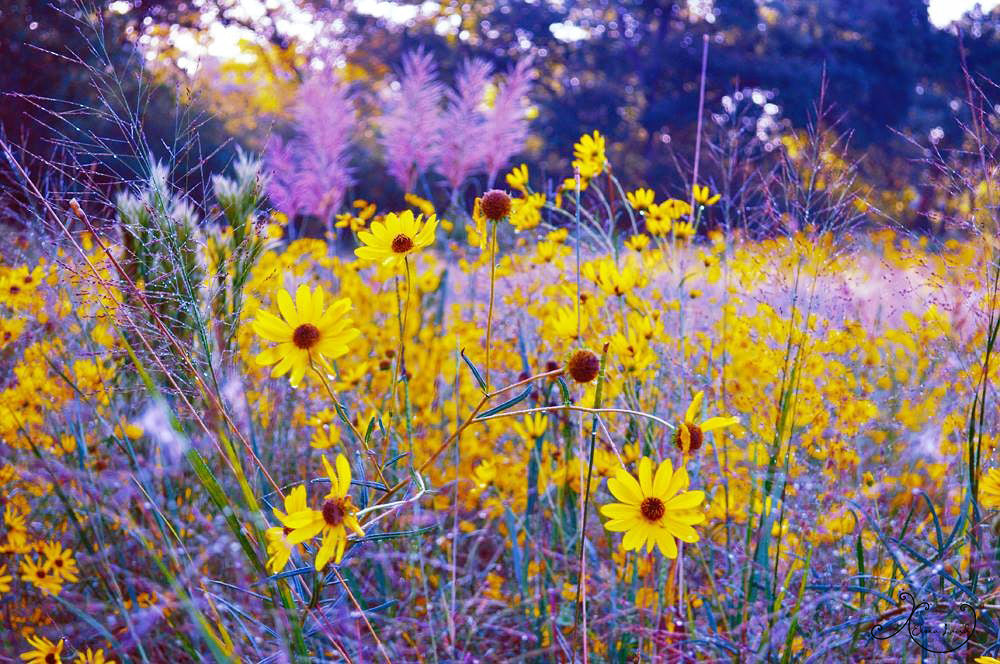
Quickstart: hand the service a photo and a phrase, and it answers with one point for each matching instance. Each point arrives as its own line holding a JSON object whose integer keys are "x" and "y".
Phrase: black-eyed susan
{"x": 309, "y": 332}
{"x": 690, "y": 435}
{"x": 589, "y": 155}
{"x": 43, "y": 651}
{"x": 396, "y": 237}
{"x": 42, "y": 576}
{"x": 989, "y": 489}
{"x": 655, "y": 509}
{"x": 61, "y": 560}
{"x": 332, "y": 520}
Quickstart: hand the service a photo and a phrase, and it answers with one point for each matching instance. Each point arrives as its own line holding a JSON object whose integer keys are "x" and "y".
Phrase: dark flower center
{"x": 401, "y": 244}
{"x": 333, "y": 511}
{"x": 694, "y": 433}
{"x": 652, "y": 508}
{"x": 305, "y": 336}
{"x": 50, "y": 659}
{"x": 41, "y": 574}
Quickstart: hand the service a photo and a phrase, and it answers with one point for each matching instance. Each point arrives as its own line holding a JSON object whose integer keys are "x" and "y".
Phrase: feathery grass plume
{"x": 309, "y": 173}
{"x": 506, "y": 125}
{"x": 235, "y": 249}
{"x": 412, "y": 120}
{"x": 463, "y": 123}
{"x": 163, "y": 242}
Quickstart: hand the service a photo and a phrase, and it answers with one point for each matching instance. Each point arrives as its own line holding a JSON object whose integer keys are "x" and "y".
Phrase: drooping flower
{"x": 641, "y": 199}
{"x": 396, "y": 237}
{"x": 279, "y": 549}
{"x": 309, "y": 332}
{"x": 655, "y": 509}
{"x": 702, "y": 197}
{"x": 332, "y": 520}
{"x": 689, "y": 435}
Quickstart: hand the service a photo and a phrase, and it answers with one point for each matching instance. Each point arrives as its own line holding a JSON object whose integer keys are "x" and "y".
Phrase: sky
{"x": 943, "y": 12}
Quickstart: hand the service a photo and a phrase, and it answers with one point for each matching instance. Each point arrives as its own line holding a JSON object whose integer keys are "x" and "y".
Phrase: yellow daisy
{"x": 655, "y": 509}
{"x": 689, "y": 435}
{"x": 989, "y": 489}
{"x": 5, "y": 580}
{"x": 396, "y": 237}
{"x": 41, "y": 576}
{"x": 43, "y": 651}
{"x": 308, "y": 333}
{"x": 61, "y": 560}
{"x": 332, "y": 520}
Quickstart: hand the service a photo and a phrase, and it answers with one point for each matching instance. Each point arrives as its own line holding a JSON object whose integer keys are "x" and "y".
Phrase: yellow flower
{"x": 637, "y": 242}
{"x": 332, "y": 520}
{"x": 683, "y": 230}
{"x": 518, "y": 178}
{"x": 422, "y": 204}
{"x": 589, "y": 155}
{"x": 91, "y": 657}
{"x": 701, "y": 196}
{"x": 689, "y": 436}
{"x": 42, "y": 576}
{"x": 989, "y": 489}
{"x": 61, "y": 560}
{"x": 987, "y": 660}
{"x": 641, "y": 199}
{"x": 5, "y": 580}
{"x": 278, "y": 548}
{"x": 309, "y": 332}
{"x": 396, "y": 237}
{"x": 43, "y": 651}
{"x": 526, "y": 213}
{"x": 533, "y": 427}
{"x": 655, "y": 509}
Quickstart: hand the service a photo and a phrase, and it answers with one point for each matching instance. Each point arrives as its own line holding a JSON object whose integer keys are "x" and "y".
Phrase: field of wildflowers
{"x": 543, "y": 423}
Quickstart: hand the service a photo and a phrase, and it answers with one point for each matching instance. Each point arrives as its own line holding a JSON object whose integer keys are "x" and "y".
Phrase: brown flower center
{"x": 50, "y": 659}
{"x": 694, "y": 433}
{"x": 333, "y": 511}
{"x": 58, "y": 562}
{"x": 305, "y": 336}
{"x": 41, "y": 574}
{"x": 652, "y": 508}
{"x": 402, "y": 243}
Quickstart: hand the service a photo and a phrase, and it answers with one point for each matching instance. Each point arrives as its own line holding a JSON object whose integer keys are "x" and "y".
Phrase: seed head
{"x": 584, "y": 366}
{"x": 495, "y": 204}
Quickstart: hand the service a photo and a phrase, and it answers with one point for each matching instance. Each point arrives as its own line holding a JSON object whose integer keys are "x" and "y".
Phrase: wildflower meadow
{"x": 391, "y": 373}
